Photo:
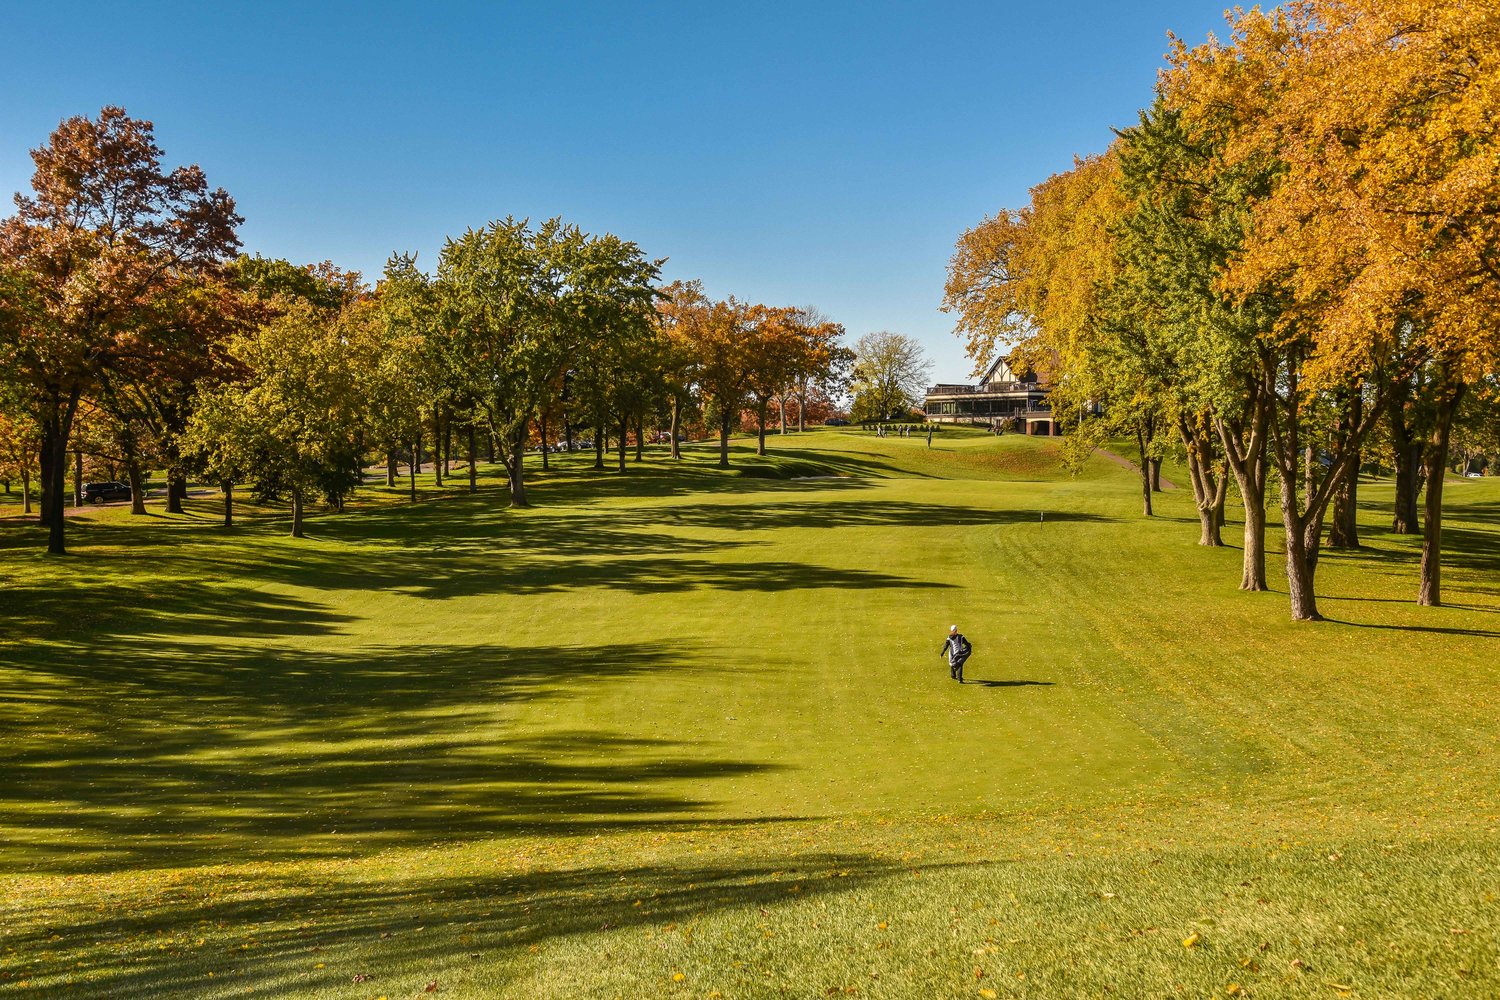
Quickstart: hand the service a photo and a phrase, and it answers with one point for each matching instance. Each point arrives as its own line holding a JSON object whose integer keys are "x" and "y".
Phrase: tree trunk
{"x": 473, "y": 460}
{"x": 676, "y": 423}
{"x": 297, "y": 512}
{"x": 1247, "y": 460}
{"x": 437, "y": 452}
{"x": 1145, "y": 466}
{"x": 599, "y": 445}
{"x": 490, "y": 443}
{"x": 542, "y": 432}
{"x": 1406, "y": 455}
{"x": 801, "y": 412}
{"x": 724, "y": 442}
{"x": 176, "y": 491}
{"x": 133, "y": 476}
{"x": 1156, "y": 475}
{"x": 518, "y": 468}
{"x": 390, "y": 468}
{"x": 781, "y": 407}
{"x": 26, "y": 485}
{"x": 1208, "y": 491}
{"x": 760, "y": 425}
{"x": 228, "y": 488}
{"x": 77, "y": 478}
{"x": 1299, "y": 567}
{"x": 447, "y": 422}
{"x": 624, "y": 433}
{"x": 412, "y": 468}
{"x": 640, "y": 435}
{"x": 1343, "y": 528}
{"x": 1435, "y": 469}
{"x": 416, "y": 450}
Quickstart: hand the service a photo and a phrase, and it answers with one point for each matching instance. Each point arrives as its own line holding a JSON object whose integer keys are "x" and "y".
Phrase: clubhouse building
{"x": 1002, "y": 396}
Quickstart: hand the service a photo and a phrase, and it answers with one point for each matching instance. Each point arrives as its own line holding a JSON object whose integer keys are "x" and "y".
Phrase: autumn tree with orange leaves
{"x": 106, "y": 236}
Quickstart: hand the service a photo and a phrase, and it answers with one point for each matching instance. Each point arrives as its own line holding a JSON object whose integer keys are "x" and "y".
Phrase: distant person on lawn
{"x": 957, "y": 649}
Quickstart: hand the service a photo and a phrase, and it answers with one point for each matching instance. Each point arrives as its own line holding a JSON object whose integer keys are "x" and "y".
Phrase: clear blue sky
{"x": 798, "y": 153}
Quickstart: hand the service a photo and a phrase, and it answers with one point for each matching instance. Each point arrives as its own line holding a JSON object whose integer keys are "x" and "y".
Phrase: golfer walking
{"x": 958, "y": 650}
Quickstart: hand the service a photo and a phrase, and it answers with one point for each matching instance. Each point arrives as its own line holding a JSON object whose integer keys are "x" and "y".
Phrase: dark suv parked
{"x": 103, "y": 492}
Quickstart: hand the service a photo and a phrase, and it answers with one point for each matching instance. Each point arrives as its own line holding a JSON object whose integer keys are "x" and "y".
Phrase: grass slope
{"x": 686, "y": 733}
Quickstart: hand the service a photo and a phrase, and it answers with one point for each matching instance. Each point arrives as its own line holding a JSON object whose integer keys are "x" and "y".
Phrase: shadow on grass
{"x": 401, "y": 935}
{"x": 1007, "y": 684}
{"x": 150, "y": 752}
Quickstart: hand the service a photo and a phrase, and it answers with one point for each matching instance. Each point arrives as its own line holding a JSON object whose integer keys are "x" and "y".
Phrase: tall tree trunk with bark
{"x": 761, "y": 409}
{"x": 640, "y": 435}
{"x": 781, "y": 408}
{"x": 517, "y": 468}
{"x": 390, "y": 468}
{"x": 26, "y": 486}
{"x": 676, "y": 424}
{"x": 56, "y": 424}
{"x": 176, "y": 491}
{"x": 134, "y": 478}
{"x": 724, "y": 421}
{"x": 1406, "y": 456}
{"x": 1303, "y": 522}
{"x": 624, "y": 433}
{"x": 437, "y": 448}
{"x": 1435, "y": 469}
{"x": 1143, "y": 444}
{"x": 413, "y": 467}
{"x": 1245, "y": 451}
{"x": 541, "y": 427}
{"x": 473, "y": 459}
{"x": 448, "y": 444}
{"x": 228, "y": 487}
{"x": 1210, "y": 488}
{"x": 1343, "y": 526}
{"x": 599, "y": 445}
{"x": 297, "y": 512}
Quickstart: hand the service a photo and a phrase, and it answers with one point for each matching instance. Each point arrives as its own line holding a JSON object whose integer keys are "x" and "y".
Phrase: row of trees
{"x": 1290, "y": 266}
{"x": 132, "y": 330}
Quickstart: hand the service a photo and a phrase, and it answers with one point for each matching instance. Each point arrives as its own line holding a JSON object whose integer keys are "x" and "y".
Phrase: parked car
{"x": 105, "y": 492}
{"x": 835, "y": 422}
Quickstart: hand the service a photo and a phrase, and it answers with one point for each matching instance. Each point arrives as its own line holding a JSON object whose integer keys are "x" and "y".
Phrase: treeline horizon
{"x": 131, "y": 327}
{"x": 1288, "y": 265}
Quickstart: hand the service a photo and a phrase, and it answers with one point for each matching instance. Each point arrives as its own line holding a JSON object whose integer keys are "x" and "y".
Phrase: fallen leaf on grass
{"x": 678, "y": 977}
{"x": 882, "y": 926}
{"x": 360, "y": 977}
{"x": 430, "y": 987}
{"x": 988, "y": 994}
{"x": 1191, "y": 941}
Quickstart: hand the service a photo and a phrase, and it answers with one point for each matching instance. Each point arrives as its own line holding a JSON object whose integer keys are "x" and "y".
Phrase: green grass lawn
{"x": 686, "y": 733}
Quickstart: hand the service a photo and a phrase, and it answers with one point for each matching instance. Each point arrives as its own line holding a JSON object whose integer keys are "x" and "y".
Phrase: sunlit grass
{"x": 688, "y": 722}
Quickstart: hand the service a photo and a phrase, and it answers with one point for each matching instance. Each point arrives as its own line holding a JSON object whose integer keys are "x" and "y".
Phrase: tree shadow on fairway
{"x": 177, "y": 754}
{"x": 1433, "y": 629}
{"x": 400, "y": 934}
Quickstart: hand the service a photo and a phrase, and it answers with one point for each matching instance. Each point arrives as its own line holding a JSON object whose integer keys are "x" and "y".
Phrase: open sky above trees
{"x": 827, "y": 157}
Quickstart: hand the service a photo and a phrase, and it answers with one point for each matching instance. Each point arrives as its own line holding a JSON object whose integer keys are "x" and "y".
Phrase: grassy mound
{"x": 685, "y": 732}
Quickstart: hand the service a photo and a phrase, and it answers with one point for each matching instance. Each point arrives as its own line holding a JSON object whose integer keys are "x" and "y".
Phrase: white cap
{"x": 952, "y": 628}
